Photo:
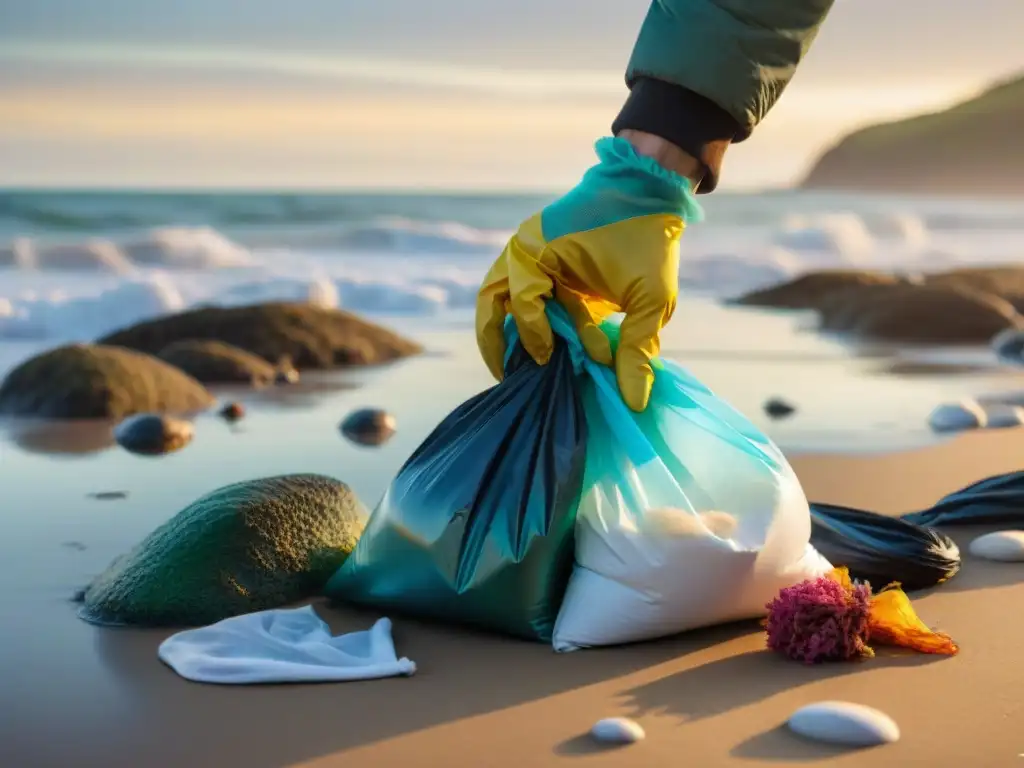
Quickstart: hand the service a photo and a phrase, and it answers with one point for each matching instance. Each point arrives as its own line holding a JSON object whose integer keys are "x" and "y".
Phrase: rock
{"x": 369, "y": 426}
{"x": 84, "y": 381}
{"x": 152, "y": 434}
{"x": 617, "y": 730}
{"x": 955, "y": 417}
{"x": 214, "y": 362}
{"x": 313, "y": 336}
{"x": 1001, "y": 546}
{"x": 247, "y": 547}
{"x": 810, "y": 290}
{"x": 1005, "y": 281}
{"x": 232, "y": 412}
{"x": 839, "y": 722}
{"x": 880, "y": 307}
{"x": 1009, "y": 345}
{"x": 778, "y": 408}
{"x": 286, "y": 376}
{"x": 932, "y": 315}
{"x": 1002, "y": 416}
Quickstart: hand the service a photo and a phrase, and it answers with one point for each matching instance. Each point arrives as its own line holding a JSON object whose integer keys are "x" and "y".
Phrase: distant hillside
{"x": 976, "y": 147}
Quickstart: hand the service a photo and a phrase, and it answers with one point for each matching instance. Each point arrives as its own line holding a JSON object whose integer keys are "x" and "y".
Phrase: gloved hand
{"x": 611, "y": 244}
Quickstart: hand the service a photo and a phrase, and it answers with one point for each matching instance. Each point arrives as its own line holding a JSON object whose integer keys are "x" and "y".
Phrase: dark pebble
{"x": 152, "y": 434}
{"x": 369, "y": 426}
{"x": 108, "y": 495}
{"x": 778, "y": 408}
{"x": 232, "y": 412}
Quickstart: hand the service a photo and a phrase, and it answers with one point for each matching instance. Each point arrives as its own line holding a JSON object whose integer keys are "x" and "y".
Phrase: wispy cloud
{"x": 527, "y": 82}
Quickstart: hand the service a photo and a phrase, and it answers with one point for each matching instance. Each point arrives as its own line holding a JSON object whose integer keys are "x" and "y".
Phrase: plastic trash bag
{"x": 881, "y": 549}
{"x": 477, "y": 527}
{"x": 689, "y": 516}
{"x": 286, "y": 645}
{"x": 997, "y": 500}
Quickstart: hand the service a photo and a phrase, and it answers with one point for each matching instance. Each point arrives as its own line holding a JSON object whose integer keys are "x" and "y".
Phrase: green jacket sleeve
{"x": 704, "y": 73}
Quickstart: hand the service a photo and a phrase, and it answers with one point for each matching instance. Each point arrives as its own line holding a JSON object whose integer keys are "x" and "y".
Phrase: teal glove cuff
{"x": 623, "y": 185}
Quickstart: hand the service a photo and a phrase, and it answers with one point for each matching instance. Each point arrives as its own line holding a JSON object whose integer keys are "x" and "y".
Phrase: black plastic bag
{"x": 996, "y": 500}
{"x": 478, "y": 526}
{"x": 882, "y": 549}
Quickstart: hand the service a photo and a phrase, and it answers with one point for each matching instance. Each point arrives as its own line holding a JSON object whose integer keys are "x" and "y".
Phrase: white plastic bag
{"x": 288, "y": 645}
{"x": 689, "y": 517}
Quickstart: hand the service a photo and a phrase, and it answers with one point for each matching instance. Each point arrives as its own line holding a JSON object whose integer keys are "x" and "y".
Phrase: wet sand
{"x": 78, "y": 695}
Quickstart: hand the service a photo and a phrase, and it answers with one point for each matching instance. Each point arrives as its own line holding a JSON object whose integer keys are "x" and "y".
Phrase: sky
{"x": 416, "y": 94}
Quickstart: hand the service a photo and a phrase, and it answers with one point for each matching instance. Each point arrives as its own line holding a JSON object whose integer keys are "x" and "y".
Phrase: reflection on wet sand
{"x": 60, "y": 438}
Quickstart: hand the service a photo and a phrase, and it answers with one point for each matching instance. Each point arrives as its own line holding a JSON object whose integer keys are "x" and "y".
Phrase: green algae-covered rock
{"x": 89, "y": 381}
{"x": 246, "y": 547}
{"x": 214, "y": 362}
{"x": 312, "y": 336}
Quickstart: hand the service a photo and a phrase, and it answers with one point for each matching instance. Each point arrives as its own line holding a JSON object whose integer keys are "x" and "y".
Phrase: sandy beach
{"x": 78, "y": 695}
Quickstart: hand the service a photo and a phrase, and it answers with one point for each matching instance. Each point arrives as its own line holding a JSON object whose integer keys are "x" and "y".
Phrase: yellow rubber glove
{"x": 609, "y": 245}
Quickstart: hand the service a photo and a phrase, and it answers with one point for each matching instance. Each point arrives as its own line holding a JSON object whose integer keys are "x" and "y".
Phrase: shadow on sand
{"x": 461, "y": 673}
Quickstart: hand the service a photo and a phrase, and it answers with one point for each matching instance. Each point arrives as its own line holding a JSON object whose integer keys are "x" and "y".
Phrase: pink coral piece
{"x": 820, "y": 620}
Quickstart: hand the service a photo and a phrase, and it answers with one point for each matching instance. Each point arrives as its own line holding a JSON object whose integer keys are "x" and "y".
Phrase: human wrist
{"x": 665, "y": 153}
{"x": 692, "y": 123}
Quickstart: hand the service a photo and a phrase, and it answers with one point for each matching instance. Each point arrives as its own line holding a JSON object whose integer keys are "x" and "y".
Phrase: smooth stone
{"x": 1000, "y": 546}
{"x": 1001, "y": 416}
{"x": 286, "y": 376}
{"x": 778, "y": 408}
{"x": 617, "y": 730}
{"x": 840, "y": 722}
{"x": 151, "y": 433}
{"x": 232, "y": 412}
{"x": 954, "y": 417}
{"x": 369, "y": 426}
{"x": 1009, "y": 345}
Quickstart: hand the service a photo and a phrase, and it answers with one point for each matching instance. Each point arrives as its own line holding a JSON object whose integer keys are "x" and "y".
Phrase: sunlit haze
{"x": 403, "y": 94}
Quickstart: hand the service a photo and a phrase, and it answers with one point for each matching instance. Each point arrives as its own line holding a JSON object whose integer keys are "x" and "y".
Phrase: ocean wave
{"x": 733, "y": 273}
{"x": 398, "y": 235}
{"x": 57, "y": 316}
{"x": 199, "y": 248}
{"x": 190, "y": 248}
{"x": 61, "y": 317}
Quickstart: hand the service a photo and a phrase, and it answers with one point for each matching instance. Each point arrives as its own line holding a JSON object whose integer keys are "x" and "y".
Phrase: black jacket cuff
{"x": 692, "y": 122}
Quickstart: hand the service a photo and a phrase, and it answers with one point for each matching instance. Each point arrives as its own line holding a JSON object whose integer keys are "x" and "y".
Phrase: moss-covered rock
{"x": 214, "y": 362}
{"x": 246, "y": 547}
{"x": 312, "y": 336}
{"x": 811, "y": 290}
{"x": 84, "y": 381}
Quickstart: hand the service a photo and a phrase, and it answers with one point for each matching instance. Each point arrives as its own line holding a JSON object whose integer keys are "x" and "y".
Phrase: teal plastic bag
{"x": 689, "y": 515}
{"x": 477, "y": 527}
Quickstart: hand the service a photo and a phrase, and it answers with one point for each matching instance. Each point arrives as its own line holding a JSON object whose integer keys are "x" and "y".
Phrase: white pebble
{"x": 617, "y": 730}
{"x": 953, "y": 417}
{"x": 1001, "y": 546}
{"x": 839, "y": 722}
